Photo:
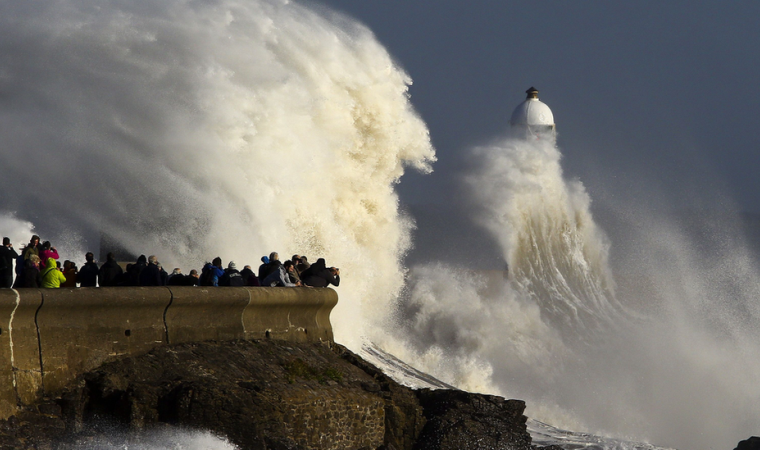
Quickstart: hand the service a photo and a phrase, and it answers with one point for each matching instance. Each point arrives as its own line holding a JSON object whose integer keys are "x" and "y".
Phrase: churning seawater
{"x": 193, "y": 129}
{"x": 653, "y": 343}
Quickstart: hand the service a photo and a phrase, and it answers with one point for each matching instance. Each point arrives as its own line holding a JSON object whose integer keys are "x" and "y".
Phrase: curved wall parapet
{"x": 50, "y": 336}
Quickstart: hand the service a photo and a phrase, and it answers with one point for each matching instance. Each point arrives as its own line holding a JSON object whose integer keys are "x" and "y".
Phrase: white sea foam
{"x": 16, "y": 229}
{"x": 665, "y": 357}
{"x": 195, "y": 129}
{"x": 160, "y": 439}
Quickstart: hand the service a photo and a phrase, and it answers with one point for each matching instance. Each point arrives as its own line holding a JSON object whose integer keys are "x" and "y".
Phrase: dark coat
{"x": 231, "y": 277}
{"x": 175, "y": 280}
{"x": 189, "y": 280}
{"x": 323, "y": 278}
{"x": 318, "y": 275}
{"x": 7, "y": 255}
{"x": 110, "y": 274}
{"x": 210, "y": 275}
{"x": 32, "y": 250}
{"x": 313, "y": 268}
{"x": 266, "y": 269}
{"x": 30, "y": 276}
{"x": 250, "y": 278}
{"x": 19, "y": 264}
{"x": 182, "y": 280}
{"x": 302, "y": 267}
{"x": 88, "y": 275}
{"x": 150, "y": 276}
{"x": 134, "y": 271}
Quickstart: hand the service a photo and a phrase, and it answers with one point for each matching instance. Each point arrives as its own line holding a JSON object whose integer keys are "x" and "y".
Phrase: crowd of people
{"x": 38, "y": 266}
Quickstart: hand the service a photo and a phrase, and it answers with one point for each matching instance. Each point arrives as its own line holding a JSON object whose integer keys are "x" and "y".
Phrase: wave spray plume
{"x": 196, "y": 129}
{"x": 661, "y": 353}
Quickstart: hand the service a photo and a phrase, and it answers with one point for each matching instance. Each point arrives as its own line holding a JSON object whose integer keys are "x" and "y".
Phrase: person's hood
{"x": 319, "y": 265}
{"x": 50, "y": 265}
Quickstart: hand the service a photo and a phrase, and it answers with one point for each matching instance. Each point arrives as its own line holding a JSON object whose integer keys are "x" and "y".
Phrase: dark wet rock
{"x": 752, "y": 443}
{"x": 404, "y": 419}
{"x": 31, "y": 429}
{"x": 265, "y": 395}
{"x": 457, "y": 420}
{"x": 260, "y": 395}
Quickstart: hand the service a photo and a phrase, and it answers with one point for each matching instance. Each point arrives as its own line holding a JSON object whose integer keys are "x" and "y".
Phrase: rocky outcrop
{"x": 404, "y": 417}
{"x": 752, "y": 443}
{"x": 267, "y": 395}
{"x": 457, "y": 420}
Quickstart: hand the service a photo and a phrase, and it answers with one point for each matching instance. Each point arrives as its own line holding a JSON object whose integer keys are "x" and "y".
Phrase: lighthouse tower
{"x": 533, "y": 119}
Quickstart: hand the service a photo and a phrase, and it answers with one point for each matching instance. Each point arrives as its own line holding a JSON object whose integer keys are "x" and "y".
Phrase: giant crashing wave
{"x": 195, "y": 129}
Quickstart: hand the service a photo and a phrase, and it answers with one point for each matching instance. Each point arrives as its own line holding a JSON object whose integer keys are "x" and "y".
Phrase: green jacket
{"x": 29, "y": 251}
{"x": 51, "y": 276}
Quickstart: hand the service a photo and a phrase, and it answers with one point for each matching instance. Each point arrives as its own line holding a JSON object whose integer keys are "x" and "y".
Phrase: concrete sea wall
{"x": 49, "y": 336}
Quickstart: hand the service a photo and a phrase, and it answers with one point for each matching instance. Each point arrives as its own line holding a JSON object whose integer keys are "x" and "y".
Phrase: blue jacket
{"x": 216, "y": 273}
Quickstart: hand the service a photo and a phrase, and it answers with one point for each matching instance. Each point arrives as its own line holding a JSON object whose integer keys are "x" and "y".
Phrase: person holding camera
{"x": 47, "y": 252}
{"x": 319, "y": 275}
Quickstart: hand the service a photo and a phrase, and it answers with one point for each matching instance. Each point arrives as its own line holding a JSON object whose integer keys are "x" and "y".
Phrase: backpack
{"x": 207, "y": 277}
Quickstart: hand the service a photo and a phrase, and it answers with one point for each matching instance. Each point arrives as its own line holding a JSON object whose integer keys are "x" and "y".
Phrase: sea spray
{"x": 555, "y": 251}
{"x": 663, "y": 356}
{"x": 513, "y": 333}
{"x": 168, "y": 438}
{"x": 17, "y": 230}
{"x": 195, "y": 129}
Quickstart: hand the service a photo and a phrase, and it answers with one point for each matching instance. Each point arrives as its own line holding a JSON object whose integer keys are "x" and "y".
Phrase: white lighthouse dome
{"x": 533, "y": 115}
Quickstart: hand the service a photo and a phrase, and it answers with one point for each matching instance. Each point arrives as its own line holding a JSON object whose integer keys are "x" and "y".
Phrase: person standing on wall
{"x": 88, "y": 274}
{"x": 110, "y": 272}
{"x": 33, "y": 248}
{"x": 71, "y": 273}
{"x": 52, "y": 277}
{"x": 29, "y": 277}
{"x": 319, "y": 275}
{"x": 212, "y": 272}
{"x": 280, "y": 277}
{"x": 151, "y": 275}
{"x": 47, "y": 252}
{"x": 232, "y": 276}
{"x": 7, "y": 255}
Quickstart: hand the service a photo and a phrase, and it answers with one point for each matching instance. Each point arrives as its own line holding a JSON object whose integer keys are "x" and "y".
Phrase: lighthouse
{"x": 533, "y": 119}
